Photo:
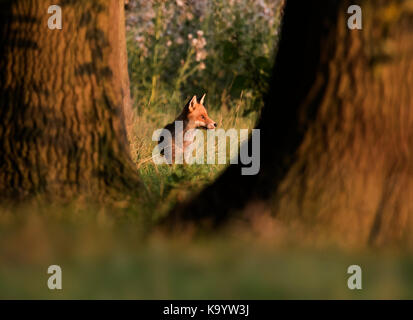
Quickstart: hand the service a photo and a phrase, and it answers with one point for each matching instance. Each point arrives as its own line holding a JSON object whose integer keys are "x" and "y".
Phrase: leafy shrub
{"x": 178, "y": 48}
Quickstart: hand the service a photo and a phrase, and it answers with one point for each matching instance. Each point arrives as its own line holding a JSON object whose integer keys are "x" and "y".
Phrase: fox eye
{"x": 203, "y": 117}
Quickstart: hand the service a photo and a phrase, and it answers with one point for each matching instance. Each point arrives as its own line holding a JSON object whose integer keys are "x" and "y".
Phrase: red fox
{"x": 193, "y": 116}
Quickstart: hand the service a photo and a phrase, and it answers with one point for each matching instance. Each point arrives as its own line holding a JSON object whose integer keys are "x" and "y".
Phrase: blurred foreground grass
{"x": 214, "y": 270}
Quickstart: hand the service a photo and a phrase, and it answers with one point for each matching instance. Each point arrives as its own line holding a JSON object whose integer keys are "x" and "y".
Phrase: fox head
{"x": 197, "y": 115}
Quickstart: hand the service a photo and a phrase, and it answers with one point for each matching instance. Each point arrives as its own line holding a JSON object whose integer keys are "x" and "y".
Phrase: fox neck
{"x": 187, "y": 125}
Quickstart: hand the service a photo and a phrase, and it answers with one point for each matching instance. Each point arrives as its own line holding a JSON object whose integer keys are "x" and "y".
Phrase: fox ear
{"x": 192, "y": 104}
{"x": 202, "y": 99}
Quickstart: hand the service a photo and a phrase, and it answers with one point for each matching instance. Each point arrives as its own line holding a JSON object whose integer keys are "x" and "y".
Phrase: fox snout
{"x": 212, "y": 125}
{"x": 203, "y": 121}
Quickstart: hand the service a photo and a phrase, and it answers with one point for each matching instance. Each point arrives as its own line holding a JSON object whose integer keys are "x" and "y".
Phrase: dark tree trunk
{"x": 336, "y": 129}
{"x": 63, "y": 98}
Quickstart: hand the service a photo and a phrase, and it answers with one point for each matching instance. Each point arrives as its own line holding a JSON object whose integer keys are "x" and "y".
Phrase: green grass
{"x": 166, "y": 184}
{"x": 214, "y": 270}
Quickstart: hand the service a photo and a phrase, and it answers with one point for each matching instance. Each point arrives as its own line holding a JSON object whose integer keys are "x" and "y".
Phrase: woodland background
{"x": 334, "y": 107}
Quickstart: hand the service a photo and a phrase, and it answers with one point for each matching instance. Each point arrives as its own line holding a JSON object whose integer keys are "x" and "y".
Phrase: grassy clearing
{"x": 166, "y": 184}
{"x": 178, "y": 49}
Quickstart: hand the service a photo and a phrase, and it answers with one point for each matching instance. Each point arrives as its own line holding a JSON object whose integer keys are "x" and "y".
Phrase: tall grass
{"x": 181, "y": 48}
{"x": 169, "y": 184}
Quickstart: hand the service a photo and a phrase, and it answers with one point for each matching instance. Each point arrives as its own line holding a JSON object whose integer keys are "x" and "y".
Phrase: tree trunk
{"x": 336, "y": 129}
{"x": 122, "y": 57}
{"x": 62, "y": 94}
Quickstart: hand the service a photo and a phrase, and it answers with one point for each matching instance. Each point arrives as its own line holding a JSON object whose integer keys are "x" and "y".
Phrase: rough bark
{"x": 122, "y": 57}
{"x": 62, "y": 93}
{"x": 337, "y": 129}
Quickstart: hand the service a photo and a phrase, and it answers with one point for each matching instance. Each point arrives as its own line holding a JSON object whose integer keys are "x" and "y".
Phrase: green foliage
{"x": 177, "y": 49}
{"x": 222, "y": 269}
